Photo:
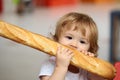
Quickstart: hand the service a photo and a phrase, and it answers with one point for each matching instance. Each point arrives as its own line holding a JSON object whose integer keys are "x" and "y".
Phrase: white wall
{"x": 19, "y": 62}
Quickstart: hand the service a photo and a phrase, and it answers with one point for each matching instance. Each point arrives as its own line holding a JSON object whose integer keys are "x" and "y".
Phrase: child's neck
{"x": 73, "y": 69}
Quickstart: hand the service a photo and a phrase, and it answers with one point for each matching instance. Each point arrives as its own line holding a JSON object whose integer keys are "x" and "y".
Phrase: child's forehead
{"x": 74, "y": 27}
{"x": 79, "y": 29}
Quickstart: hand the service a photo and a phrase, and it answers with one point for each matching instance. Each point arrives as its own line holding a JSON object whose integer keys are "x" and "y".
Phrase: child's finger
{"x": 90, "y": 54}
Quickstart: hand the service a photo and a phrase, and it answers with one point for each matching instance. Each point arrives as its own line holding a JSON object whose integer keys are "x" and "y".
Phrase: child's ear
{"x": 55, "y": 38}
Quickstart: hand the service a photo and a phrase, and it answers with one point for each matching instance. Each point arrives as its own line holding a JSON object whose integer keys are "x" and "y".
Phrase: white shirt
{"x": 47, "y": 68}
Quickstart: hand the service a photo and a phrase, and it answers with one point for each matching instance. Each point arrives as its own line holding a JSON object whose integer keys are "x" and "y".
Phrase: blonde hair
{"x": 81, "y": 22}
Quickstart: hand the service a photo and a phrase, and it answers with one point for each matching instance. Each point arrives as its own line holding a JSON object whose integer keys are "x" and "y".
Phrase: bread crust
{"x": 92, "y": 64}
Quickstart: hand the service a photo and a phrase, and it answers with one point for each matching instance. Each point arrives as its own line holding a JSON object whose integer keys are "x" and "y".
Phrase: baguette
{"x": 44, "y": 44}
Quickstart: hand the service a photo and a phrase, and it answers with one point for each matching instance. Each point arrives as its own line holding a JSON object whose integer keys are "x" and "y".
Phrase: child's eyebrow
{"x": 68, "y": 34}
{"x": 84, "y": 39}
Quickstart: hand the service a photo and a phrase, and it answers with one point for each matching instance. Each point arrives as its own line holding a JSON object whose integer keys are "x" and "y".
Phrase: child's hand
{"x": 63, "y": 57}
{"x": 88, "y": 53}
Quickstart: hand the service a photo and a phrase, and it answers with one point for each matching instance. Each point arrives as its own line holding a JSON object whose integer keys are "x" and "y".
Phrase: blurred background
{"x": 19, "y": 62}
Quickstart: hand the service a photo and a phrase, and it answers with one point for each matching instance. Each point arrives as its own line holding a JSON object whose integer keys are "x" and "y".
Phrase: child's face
{"x": 75, "y": 39}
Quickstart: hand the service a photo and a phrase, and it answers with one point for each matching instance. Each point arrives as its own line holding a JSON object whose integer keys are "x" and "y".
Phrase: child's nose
{"x": 74, "y": 44}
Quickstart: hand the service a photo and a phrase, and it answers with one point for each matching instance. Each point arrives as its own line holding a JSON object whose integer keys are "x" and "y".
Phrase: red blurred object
{"x": 54, "y": 3}
{"x": 1, "y": 6}
{"x": 117, "y": 66}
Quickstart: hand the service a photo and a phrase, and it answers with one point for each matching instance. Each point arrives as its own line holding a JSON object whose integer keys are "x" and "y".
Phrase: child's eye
{"x": 83, "y": 42}
{"x": 68, "y": 37}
